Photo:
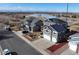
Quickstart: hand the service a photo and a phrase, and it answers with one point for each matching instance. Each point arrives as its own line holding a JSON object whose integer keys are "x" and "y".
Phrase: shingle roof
{"x": 43, "y": 15}
{"x": 58, "y": 27}
{"x": 56, "y": 20}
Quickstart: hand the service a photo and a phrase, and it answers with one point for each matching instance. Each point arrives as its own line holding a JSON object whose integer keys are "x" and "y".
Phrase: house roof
{"x": 56, "y": 20}
{"x": 32, "y": 21}
{"x": 58, "y": 27}
{"x": 33, "y": 15}
{"x": 74, "y": 39}
{"x": 43, "y": 15}
{"x": 48, "y": 16}
{"x": 75, "y": 35}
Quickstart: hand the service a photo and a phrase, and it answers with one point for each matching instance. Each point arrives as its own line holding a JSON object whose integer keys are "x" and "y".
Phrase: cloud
{"x": 19, "y": 8}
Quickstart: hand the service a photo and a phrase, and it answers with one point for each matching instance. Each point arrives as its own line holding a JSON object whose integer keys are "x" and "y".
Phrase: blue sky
{"x": 46, "y": 7}
{"x": 73, "y": 7}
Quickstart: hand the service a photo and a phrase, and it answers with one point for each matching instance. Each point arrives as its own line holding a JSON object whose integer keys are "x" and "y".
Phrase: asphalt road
{"x": 9, "y": 40}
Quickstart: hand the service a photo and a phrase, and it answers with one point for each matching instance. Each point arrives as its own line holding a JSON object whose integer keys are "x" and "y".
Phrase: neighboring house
{"x": 33, "y": 24}
{"x": 73, "y": 42}
{"x": 54, "y": 33}
{"x": 52, "y": 21}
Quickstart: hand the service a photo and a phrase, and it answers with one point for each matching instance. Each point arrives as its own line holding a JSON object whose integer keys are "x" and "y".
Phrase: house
{"x": 54, "y": 33}
{"x": 50, "y": 20}
{"x": 74, "y": 42}
{"x": 32, "y": 24}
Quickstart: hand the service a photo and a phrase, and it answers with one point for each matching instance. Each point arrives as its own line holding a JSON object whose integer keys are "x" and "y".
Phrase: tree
{"x": 23, "y": 17}
{"x": 74, "y": 16}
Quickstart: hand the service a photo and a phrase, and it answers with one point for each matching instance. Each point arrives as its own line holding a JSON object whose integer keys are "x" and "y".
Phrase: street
{"x": 8, "y": 40}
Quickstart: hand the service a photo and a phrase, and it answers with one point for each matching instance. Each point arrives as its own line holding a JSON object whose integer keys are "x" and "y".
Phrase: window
{"x": 69, "y": 38}
{"x": 54, "y": 32}
{"x": 47, "y": 31}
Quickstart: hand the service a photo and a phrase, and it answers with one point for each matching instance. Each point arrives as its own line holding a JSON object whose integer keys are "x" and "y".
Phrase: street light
{"x": 67, "y": 13}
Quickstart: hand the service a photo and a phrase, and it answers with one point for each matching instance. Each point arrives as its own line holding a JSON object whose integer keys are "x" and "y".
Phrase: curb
{"x": 1, "y": 53}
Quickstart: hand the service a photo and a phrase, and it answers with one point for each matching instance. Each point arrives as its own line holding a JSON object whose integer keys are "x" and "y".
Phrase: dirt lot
{"x": 72, "y": 22}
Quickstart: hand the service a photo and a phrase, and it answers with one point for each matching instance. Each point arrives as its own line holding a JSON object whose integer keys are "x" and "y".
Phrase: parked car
{"x": 7, "y": 28}
{"x": 7, "y": 52}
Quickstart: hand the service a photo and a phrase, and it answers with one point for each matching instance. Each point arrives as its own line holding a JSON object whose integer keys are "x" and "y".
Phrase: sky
{"x": 73, "y": 7}
{"x": 44, "y": 7}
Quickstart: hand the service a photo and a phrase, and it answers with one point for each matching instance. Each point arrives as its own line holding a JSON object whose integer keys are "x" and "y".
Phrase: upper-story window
{"x": 47, "y": 31}
{"x": 54, "y": 32}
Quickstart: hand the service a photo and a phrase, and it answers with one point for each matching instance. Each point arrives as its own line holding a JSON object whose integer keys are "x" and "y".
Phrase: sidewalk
{"x": 43, "y": 43}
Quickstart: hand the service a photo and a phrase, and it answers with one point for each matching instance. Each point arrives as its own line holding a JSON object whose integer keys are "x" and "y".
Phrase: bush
{"x": 74, "y": 16}
{"x": 24, "y": 32}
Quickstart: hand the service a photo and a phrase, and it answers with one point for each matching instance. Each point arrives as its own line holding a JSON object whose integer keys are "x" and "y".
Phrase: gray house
{"x": 32, "y": 24}
{"x": 54, "y": 33}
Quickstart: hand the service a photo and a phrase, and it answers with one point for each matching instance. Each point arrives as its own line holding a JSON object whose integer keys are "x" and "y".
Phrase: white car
{"x": 7, "y": 28}
{"x": 6, "y": 52}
